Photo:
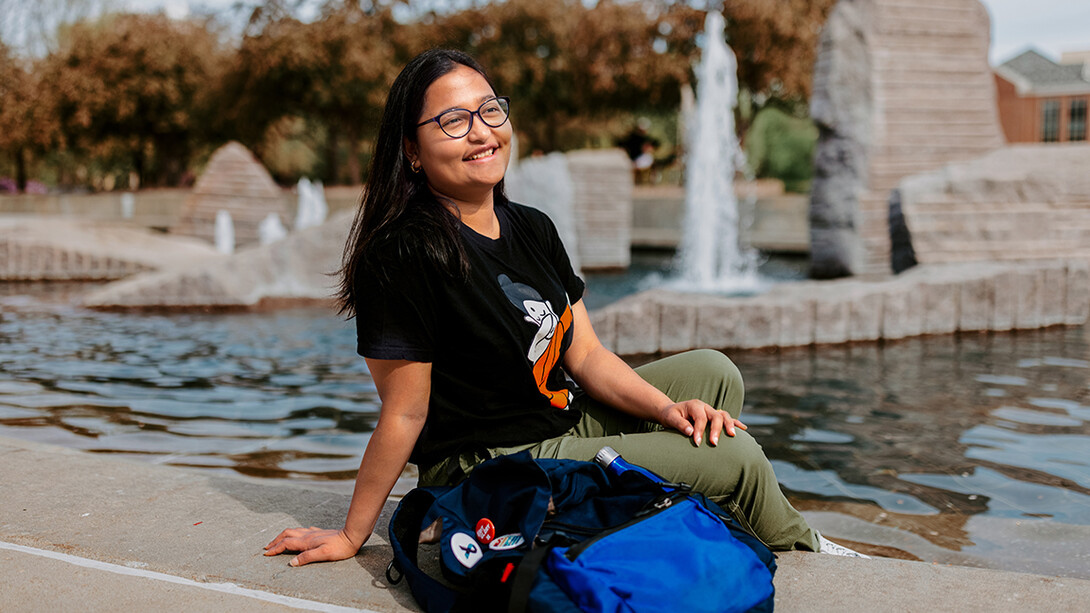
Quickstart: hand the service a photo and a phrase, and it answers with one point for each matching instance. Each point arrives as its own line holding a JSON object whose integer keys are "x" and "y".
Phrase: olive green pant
{"x": 735, "y": 473}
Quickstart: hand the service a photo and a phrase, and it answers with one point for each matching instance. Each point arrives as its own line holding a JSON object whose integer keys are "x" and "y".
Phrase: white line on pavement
{"x": 227, "y": 588}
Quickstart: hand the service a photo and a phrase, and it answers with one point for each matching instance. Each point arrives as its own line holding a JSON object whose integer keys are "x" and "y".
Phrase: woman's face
{"x": 467, "y": 168}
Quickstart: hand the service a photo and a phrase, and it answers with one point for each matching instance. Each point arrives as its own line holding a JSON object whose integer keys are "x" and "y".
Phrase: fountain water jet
{"x": 711, "y": 258}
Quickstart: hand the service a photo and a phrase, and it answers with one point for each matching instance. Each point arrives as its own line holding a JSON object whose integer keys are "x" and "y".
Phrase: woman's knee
{"x": 718, "y": 362}
{"x": 704, "y": 374}
{"x": 720, "y": 372}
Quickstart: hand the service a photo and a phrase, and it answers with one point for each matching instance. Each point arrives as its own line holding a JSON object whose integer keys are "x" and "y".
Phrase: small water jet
{"x": 224, "y": 232}
{"x": 711, "y": 257}
{"x": 128, "y": 205}
{"x": 271, "y": 229}
{"x": 313, "y": 209}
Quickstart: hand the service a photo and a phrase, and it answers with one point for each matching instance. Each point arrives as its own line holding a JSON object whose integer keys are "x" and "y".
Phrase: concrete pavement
{"x": 96, "y": 533}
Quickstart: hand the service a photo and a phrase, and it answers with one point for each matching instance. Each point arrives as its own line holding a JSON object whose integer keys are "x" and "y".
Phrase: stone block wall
{"x": 603, "y": 207}
{"x": 900, "y": 87}
{"x": 930, "y": 299}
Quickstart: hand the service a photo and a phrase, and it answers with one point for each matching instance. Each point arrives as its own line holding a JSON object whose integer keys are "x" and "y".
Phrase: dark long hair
{"x": 397, "y": 211}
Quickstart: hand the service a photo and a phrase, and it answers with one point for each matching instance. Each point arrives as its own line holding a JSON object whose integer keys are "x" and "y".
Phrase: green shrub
{"x": 781, "y": 146}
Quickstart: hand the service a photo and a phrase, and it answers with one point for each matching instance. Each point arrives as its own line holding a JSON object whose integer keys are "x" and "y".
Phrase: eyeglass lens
{"x": 458, "y": 122}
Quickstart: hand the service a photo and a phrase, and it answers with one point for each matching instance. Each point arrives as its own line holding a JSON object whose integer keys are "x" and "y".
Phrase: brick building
{"x": 1044, "y": 101}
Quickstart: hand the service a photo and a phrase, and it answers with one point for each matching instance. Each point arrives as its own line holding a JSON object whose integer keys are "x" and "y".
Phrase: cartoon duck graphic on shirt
{"x": 544, "y": 351}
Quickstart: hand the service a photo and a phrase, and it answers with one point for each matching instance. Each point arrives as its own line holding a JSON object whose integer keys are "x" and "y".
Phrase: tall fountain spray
{"x": 711, "y": 258}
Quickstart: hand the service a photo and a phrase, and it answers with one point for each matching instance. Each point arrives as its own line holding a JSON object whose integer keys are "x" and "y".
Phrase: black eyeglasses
{"x": 456, "y": 123}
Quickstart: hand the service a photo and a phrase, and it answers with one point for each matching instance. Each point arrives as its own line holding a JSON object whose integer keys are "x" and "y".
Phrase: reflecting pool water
{"x": 958, "y": 449}
{"x": 275, "y": 394}
{"x": 970, "y": 449}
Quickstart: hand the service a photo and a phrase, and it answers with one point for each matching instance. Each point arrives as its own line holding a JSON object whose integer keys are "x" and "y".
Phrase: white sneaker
{"x": 831, "y": 548}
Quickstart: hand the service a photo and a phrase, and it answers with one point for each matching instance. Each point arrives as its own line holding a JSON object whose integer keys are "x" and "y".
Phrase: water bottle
{"x": 608, "y": 458}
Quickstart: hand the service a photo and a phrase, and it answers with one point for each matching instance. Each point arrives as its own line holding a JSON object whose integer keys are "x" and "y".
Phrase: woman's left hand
{"x": 314, "y": 545}
{"x": 691, "y": 417}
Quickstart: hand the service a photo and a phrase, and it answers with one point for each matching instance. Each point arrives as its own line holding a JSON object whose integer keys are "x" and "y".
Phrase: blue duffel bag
{"x": 552, "y": 536}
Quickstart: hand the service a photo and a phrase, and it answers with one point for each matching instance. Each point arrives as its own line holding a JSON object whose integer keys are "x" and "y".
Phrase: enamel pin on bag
{"x": 563, "y": 536}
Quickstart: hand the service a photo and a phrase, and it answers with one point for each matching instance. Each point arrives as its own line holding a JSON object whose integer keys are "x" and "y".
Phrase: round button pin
{"x": 486, "y": 531}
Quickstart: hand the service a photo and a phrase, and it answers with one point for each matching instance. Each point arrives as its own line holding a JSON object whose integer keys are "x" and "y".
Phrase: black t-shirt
{"x": 495, "y": 342}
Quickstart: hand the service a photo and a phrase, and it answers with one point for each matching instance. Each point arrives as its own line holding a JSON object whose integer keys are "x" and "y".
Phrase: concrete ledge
{"x": 198, "y": 525}
{"x": 209, "y": 529}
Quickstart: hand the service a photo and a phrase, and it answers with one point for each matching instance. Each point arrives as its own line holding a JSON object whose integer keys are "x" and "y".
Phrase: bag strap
{"x": 523, "y": 582}
{"x": 405, "y": 540}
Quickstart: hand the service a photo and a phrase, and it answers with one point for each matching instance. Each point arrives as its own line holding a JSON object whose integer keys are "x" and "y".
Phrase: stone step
{"x": 906, "y": 135}
{"x": 903, "y": 94}
{"x": 906, "y": 61}
{"x": 996, "y": 213}
{"x": 932, "y": 6}
{"x": 911, "y": 151}
{"x": 953, "y": 254}
{"x": 889, "y": 27}
{"x": 63, "y": 249}
{"x": 981, "y": 203}
{"x": 891, "y": 104}
{"x": 938, "y": 13}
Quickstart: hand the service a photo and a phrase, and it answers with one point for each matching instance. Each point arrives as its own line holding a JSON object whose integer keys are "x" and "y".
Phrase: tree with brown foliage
{"x": 145, "y": 93}
{"x": 333, "y": 72}
{"x": 136, "y": 89}
{"x": 775, "y": 42}
{"x": 566, "y": 66}
{"x": 26, "y": 126}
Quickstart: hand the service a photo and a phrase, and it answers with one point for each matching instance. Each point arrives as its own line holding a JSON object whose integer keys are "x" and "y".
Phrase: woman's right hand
{"x": 314, "y": 545}
{"x": 692, "y": 416}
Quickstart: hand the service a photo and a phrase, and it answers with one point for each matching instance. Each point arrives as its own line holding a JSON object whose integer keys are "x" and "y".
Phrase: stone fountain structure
{"x": 899, "y": 88}
{"x": 233, "y": 181}
{"x": 1021, "y": 202}
{"x": 297, "y": 268}
{"x": 911, "y": 148}
{"x": 912, "y": 167}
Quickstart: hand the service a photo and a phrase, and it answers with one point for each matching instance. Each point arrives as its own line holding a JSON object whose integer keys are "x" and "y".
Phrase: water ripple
{"x": 1063, "y": 455}
{"x": 1038, "y": 418}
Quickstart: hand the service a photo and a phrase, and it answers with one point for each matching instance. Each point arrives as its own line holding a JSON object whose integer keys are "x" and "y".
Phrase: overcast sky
{"x": 1051, "y": 26}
